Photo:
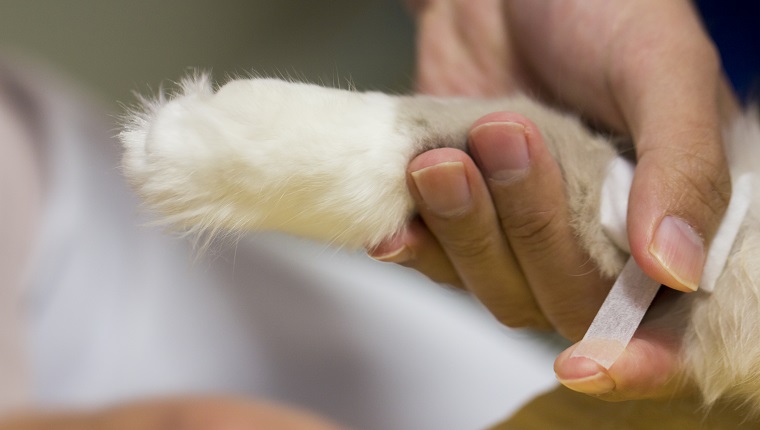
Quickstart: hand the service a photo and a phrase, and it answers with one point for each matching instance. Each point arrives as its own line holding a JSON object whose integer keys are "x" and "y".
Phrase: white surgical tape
{"x": 633, "y": 291}
{"x": 619, "y": 316}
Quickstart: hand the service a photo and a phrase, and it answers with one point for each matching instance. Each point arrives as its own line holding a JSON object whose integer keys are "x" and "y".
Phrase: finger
{"x": 674, "y": 212}
{"x": 442, "y": 54}
{"x": 649, "y": 368}
{"x": 418, "y": 249}
{"x": 528, "y": 191}
{"x": 455, "y": 205}
{"x": 662, "y": 86}
{"x": 681, "y": 185}
{"x": 463, "y": 48}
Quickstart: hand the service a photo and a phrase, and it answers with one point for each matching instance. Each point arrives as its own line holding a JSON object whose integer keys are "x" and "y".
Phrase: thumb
{"x": 648, "y": 368}
{"x": 681, "y": 185}
{"x": 677, "y": 201}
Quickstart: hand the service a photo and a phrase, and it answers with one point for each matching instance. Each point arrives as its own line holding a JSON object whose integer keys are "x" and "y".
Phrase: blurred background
{"x": 116, "y": 47}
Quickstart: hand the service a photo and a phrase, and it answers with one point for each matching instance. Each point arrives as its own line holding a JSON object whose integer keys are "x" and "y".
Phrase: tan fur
{"x": 721, "y": 346}
{"x": 583, "y": 157}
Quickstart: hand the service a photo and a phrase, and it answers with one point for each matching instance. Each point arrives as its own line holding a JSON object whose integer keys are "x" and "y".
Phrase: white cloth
{"x": 120, "y": 311}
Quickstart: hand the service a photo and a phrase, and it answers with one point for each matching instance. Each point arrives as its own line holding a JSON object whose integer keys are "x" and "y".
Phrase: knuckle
{"x": 472, "y": 246}
{"x": 533, "y": 229}
{"x": 709, "y": 190}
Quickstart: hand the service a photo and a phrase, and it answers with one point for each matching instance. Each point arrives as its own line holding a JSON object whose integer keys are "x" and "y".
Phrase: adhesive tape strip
{"x": 619, "y": 317}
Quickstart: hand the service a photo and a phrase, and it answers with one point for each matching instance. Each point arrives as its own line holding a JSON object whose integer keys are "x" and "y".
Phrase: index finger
{"x": 534, "y": 215}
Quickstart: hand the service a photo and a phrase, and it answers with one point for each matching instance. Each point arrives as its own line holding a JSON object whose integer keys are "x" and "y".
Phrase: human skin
{"x": 646, "y": 69}
{"x": 174, "y": 414}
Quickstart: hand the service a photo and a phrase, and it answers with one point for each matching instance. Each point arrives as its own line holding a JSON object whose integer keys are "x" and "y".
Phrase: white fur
{"x": 264, "y": 154}
{"x": 330, "y": 165}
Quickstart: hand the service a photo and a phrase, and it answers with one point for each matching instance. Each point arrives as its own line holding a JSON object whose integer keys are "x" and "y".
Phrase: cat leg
{"x": 323, "y": 163}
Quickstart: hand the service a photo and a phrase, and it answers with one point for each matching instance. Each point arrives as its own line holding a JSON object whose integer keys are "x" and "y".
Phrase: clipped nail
{"x": 502, "y": 149}
{"x": 596, "y": 384}
{"x": 444, "y": 188}
{"x": 680, "y": 250}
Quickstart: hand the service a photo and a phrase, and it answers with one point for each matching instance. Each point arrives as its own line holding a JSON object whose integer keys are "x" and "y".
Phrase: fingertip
{"x": 648, "y": 368}
{"x": 446, "y": 183}
{"x": 582, "y": 374}
{"x": 680, "y": 251}
{"x": 444, "y": 189}
{"x": 672, "y": 253}
{"x": 502, "y": 117}
{"x": 392, "y": 250}
{"x": 678, "y": 199}
{"x": 669, "y": 249}
{"x": 408, "y": 246}
{"x": 416, "y": 248}
{"x": 437, "y": 156}
{"x": 501, "y": 149}
{"x": 508, "y": 146}
{"x": 596, "y": 384}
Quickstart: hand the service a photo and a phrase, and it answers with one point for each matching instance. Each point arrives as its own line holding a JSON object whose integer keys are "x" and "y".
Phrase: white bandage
{"x": 633, "y": 291}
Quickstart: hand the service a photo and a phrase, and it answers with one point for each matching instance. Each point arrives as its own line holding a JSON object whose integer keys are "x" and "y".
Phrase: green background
{"x": 116, "y": 47}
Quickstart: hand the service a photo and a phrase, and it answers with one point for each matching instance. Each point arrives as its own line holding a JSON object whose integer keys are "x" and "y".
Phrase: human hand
{"x": 189, "y": 414}
{"x": 498, "y": 225}
{"x": 643, "y": 68}
{"x": 653, "y": 75}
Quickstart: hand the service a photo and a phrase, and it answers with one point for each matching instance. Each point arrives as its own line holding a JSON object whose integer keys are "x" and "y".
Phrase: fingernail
{"x": 596, "y": 384}
{"x": 680, "y": 250}
{"x": 399, "y": 255}
{"x": 586, "y": 376}
{"x": 444, "y": 188}
{"x": 502, "y": 150}
{"x": 391, "y": 251}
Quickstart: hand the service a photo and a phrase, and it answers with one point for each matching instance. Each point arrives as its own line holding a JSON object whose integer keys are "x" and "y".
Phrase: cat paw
{"x": 265, "y": 154}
